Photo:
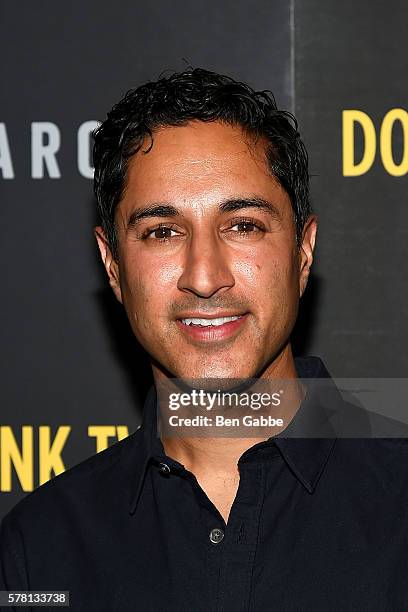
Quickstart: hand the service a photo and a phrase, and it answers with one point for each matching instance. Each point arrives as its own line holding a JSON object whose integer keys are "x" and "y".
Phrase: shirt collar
{"x": 308, "y": 440}
{"x": 144, "y": 446}
{"x": 305, "y": 451}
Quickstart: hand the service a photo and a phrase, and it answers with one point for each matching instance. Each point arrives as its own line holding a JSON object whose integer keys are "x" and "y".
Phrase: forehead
{"x": 197, "y": 163}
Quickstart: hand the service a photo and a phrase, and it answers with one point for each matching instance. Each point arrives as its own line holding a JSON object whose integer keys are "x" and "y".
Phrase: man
{"x": 207, "y": 239}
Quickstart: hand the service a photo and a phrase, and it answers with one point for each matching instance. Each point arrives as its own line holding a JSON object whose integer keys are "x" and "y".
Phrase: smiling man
{"x": 207, "y": 239}
{"x": 207, "y": 260}
{"x": 208, "y": 266}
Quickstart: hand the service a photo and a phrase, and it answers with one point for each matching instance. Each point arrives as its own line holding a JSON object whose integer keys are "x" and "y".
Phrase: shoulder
{"x": 382, "y": 456}
{"x": 59, "y": 518}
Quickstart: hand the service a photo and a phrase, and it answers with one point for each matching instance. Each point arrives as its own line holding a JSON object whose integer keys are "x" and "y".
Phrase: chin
{"x": 216, "y": 371}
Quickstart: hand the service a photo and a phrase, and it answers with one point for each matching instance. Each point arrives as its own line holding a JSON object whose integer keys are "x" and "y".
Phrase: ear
{"x": 111, "y": 266}
{"x": 306, "y": 251}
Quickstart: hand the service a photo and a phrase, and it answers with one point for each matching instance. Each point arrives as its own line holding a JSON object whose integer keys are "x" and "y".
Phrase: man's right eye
{"x": 160, "y": 233}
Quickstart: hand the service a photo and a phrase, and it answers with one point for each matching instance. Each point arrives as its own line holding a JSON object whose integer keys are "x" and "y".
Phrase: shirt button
{"x": 164, "y": 468}
{"x": 216, "y": 535}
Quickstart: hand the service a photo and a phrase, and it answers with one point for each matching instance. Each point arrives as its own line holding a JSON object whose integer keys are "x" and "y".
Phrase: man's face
{"x": 208, "y": 271}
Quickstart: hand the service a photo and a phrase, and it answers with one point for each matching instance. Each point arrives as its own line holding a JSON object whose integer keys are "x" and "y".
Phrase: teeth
{"x": 209, "y": 322}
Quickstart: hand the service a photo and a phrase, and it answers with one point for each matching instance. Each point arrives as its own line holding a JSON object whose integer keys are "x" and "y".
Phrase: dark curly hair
{"x": 196, "y": 94}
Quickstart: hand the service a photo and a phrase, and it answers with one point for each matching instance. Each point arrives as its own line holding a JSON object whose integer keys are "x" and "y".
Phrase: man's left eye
{"x": 245, "y": 227}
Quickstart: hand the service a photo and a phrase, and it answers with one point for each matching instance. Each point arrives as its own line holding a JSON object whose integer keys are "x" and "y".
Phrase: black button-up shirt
{"x": 318, "y": 524}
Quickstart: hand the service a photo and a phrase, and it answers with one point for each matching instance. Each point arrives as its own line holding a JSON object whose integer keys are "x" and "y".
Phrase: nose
{"x": 206, "y": 268}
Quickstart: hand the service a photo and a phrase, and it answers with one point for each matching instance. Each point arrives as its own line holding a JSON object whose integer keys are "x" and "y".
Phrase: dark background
{"x": 353, "y": 55}
{"x": 67, "y": 354}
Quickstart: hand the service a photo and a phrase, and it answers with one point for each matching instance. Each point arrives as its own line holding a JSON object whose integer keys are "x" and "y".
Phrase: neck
{"x": 220, "y": 455}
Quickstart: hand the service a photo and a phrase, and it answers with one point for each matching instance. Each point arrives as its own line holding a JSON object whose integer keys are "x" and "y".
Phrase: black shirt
{"x": 318, "y": 524}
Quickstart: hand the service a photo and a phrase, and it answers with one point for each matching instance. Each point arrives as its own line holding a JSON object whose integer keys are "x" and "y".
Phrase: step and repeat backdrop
{"x": 351, "y": 100}
{"x": 73, "y": 378}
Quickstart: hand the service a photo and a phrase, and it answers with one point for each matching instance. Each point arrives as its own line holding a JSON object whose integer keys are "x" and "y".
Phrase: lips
{"x": 204, "y": 322}
{"x": 211, "y": 328}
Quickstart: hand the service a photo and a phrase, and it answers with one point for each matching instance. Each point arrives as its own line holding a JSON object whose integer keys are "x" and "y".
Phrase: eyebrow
{"x": 230, "y": 205}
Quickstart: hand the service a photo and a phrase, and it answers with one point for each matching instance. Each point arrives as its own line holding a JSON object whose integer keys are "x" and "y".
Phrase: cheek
{"x": 147, "y": 287}
{"x": 270, "y": 281}
{"x": 248, "y": 270}
{"x": 266, "y": 273}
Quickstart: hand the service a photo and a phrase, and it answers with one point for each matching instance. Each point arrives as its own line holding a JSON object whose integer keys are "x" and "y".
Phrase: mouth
{"x": 210, "y": 328}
